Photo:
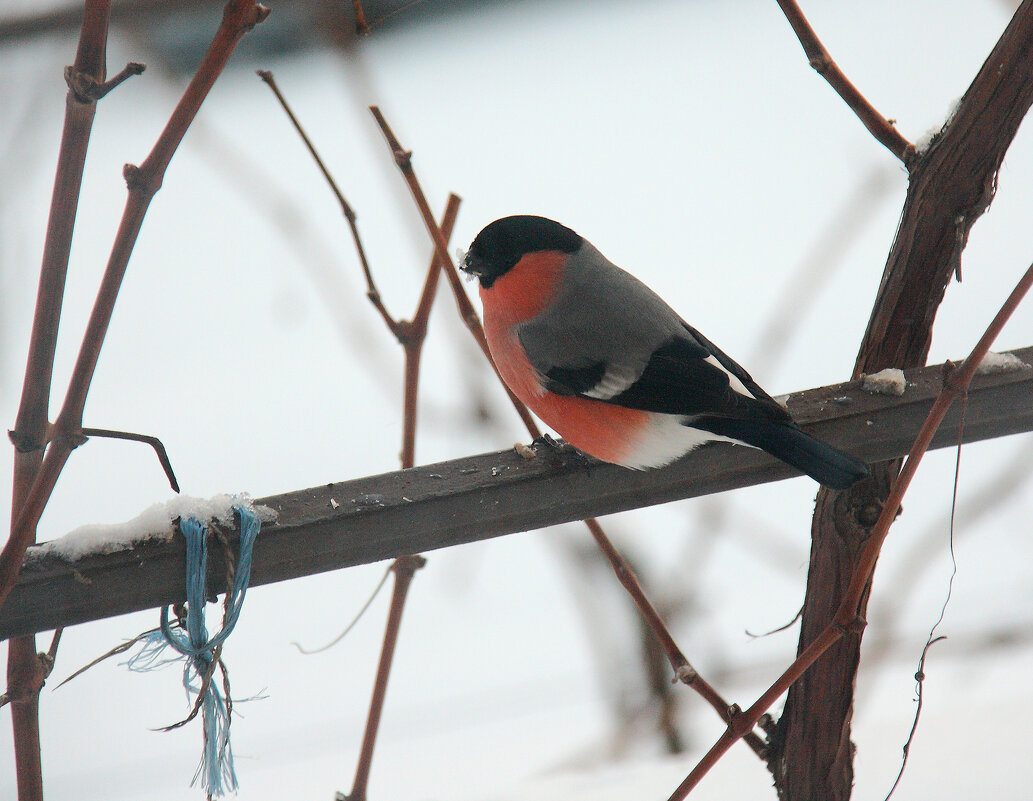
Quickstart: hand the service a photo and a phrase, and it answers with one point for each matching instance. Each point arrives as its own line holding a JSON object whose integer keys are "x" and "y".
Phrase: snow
{"x": 890, "y": 381}
{"x": 923, "y": 142}
{"x": 156, "y": 522}
{"x": 1001, "y": 363}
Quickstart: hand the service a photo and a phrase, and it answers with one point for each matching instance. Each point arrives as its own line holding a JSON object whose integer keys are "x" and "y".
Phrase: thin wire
{"x": 931, "y": 640}
{"x": 350, "y": 626}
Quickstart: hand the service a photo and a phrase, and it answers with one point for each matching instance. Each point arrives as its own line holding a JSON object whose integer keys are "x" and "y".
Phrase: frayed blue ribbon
{"x": 216, "y": 768}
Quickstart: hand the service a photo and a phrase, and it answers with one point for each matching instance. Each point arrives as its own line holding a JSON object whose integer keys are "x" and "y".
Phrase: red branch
{"x": 404, "y": 569}
{"x": 879, "y": 127}
{"x": 26, "y": 670}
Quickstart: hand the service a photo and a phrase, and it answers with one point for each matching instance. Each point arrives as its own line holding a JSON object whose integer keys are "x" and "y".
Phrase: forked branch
{"x": 879, "y": 127}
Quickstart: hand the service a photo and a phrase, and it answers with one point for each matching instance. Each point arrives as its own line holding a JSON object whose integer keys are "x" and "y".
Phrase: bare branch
{"x": 25, "y": 670}
{"x": 683, "y": 670}
{"x": 404, "y": 570}
{"x": 349, "y": 213}
{"x": 154, "y": 442}
{"x": 118, "y": 649}
{"x": 879, "y": 127}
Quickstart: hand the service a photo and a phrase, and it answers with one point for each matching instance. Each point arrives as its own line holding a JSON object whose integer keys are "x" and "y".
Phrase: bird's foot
{"x": 558, "y": 447}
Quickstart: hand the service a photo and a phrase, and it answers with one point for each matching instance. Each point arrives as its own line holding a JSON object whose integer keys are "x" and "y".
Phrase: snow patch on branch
{"x": 923, "y": 142}
{"x": 890, "y": 381}
{"x": 1001, "y": 363}
{"x": 156, "y": 523}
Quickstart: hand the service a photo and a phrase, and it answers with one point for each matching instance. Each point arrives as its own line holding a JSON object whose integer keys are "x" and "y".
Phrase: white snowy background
{"x": 693, "y": 145}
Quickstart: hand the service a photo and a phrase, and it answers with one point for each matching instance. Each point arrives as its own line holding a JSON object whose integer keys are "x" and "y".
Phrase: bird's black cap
{"x": 501, "y": 244}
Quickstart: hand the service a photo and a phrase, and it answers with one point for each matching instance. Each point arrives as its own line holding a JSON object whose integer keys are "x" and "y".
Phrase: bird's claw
{"x": 559, "y": 448}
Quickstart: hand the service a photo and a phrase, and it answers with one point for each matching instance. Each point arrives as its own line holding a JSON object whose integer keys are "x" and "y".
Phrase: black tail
{"x": 822, "y": 462}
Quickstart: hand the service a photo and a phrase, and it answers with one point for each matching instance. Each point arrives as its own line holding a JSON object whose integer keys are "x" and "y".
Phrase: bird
{"x": 608, "y": 365}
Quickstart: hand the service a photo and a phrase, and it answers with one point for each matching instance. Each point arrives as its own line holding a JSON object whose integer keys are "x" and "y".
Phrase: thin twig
{"x": 879, "y": 127}
{"x": 403, "y": 158}
{"x": 349, "y": 213}
{"x": 154, "y": 442}
{"x": 683, "y": 670}
{"x": 118, "y": 649}
{"x": 932, "y": 639}
{"x": 846, "y": 619}
{"x": 999, "y": 486}
{"x": 412, "y": 336}
{"x": 87, "y": 89}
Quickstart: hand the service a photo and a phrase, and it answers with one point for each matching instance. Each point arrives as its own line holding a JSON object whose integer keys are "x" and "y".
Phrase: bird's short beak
{"x": 469, "y": 265}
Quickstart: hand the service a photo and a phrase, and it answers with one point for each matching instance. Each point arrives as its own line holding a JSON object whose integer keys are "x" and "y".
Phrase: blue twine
{"x": 216, "y": 769}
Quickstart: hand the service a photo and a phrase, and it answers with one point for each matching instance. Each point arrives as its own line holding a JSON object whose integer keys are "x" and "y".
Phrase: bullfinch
{"x": 613, "y": 369}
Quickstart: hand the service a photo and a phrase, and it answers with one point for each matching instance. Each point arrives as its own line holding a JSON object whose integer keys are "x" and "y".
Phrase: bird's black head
{"x": 500, "y": 245}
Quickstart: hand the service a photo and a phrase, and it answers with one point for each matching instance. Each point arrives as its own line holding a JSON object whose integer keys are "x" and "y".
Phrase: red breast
{"x": 603, "y": 430}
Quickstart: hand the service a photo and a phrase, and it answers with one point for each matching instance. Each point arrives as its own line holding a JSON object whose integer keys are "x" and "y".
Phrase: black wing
{"x": 677, "y": 379}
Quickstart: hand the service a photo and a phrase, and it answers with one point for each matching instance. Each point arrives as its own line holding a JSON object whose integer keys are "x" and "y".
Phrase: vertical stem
{"x": 404, "y": 570}
{"x": 25, "y": 672}
{"x": 416, "y": 333}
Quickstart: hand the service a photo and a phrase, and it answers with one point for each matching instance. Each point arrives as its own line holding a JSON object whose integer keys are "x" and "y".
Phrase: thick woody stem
{"x": 26, "y": 671}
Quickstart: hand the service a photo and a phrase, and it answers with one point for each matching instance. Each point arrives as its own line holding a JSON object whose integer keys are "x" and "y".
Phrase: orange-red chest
{"x": 600, "y": 429}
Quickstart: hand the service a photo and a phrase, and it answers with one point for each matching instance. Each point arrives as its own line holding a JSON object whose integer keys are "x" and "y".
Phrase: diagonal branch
{"x": 349, "y": 213}
{"x": 403, "y": 158}
{"x": 879, "y": 127}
